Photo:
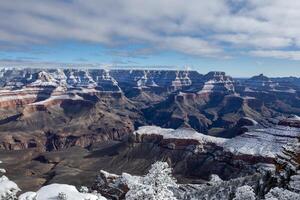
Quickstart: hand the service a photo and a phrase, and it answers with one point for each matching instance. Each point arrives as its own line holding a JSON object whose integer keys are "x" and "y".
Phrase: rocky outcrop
{"x": 288, "y": 166}
{"x": 217, "y": 82}
{"x": 209, "y": 155}
{"x": 204, "y": 155}
{"x": 111, "y": 186}
{"x": 21, "y": 141}
{"x": 292, "y": 121}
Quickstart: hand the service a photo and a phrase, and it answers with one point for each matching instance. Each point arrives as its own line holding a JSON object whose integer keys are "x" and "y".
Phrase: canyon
{"x": 64, "y": 125}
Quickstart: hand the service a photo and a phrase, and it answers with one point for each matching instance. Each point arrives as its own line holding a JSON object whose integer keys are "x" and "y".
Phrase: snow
{"x": 294, "y": 117}
{"x": 181, "y": 80}
{"x": 153, "y": 186}
{"x": 252, "y": 120}
{"x": 106, "y": 174}
{"x": 59, "y": 75}
{"x": 3, "y": 171}
{"x": 178, "y": 134}
{"x": 14, "y": 97}
{"x": 215, "y": 179}
{"x": 52, "y": 191}
{"x": 141, "y": 83}
{"x": 266, "y": 142}
{"x": 292, "y": 91}
{"x": 281, "y": 194}
{"x": 153, "y": 84}
{"x": 244, "y": 193}
{"x": 61, "y": 97}
{"x": 247, "y": 89}
{"x": 106, "y": 76}
{"x": 248, "y": 97}
{"x": 7, "y": 187}
{"x": 27, "y": 196}
{"x": 41, "y": 83}
{"x": 44, "y": 80}
{"x": 215, "y": 84}
{"x": 208, "y": 87}
{"x": 25, "y": 93}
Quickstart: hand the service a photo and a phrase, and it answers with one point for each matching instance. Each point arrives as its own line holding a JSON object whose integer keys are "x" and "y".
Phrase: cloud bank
{"x": 214, "y": 28}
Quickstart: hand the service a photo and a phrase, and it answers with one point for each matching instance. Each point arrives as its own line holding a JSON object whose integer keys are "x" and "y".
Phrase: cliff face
{"x": 211, "y": 103}
{"x": 192, "y": 155}
{"x": 207, "y": 155}
{"x": 288, "y": 166}
{"x": 68, "y": 120}
{"x": 237, "y": 162}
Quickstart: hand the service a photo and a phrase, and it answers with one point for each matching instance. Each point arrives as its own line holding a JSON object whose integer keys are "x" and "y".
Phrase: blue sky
{"x": 240, "y": 37}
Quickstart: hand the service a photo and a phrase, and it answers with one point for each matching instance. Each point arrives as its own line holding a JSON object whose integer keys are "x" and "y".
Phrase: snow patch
{"x": 52, "y": 191}
{"x": 266, "y": 142}
{"x": 7, "y": 188}
{"x": 178, "y": 134}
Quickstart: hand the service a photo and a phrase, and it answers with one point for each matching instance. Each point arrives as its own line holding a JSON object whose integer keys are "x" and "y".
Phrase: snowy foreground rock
{"x": 8, "y": 189}
{"x": 59, "y": 192}
{"x": 159, "y": 184}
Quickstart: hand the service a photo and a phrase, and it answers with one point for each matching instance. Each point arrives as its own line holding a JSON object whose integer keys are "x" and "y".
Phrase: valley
{"x": 65, "y": 125}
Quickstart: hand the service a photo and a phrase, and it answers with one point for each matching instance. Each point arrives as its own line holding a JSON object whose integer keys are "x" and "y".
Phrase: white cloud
{"x": 189, "y": 45}
{"x": 291, "y": 55}
{"x": 192, "y": 27}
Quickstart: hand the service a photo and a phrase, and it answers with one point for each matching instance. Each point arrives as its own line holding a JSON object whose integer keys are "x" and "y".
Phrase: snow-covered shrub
{"x": 83, "y": 189}
{"x": 215, "y": 179}
{"x": 154, "y": 186}
{"x": 62, "y": 196}
{"x": 244, "y": 193}
{"x": 281, "y": 194}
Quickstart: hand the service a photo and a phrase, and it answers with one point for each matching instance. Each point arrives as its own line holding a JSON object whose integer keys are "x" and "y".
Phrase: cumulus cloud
{"x": 291, "y": 55}
{"x": 198, "y": 28}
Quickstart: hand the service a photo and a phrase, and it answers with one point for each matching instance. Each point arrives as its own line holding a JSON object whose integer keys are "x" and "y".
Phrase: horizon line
{"x": 132, "y": 67}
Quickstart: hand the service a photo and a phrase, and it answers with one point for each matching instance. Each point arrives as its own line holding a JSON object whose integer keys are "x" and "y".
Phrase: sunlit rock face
{"x": 292, "y": 121}
{"x": 212, "y": 103}
{"x": 288, "y": 166}
{"x": 255, "y": 148}
{"x": 217, "y": 82}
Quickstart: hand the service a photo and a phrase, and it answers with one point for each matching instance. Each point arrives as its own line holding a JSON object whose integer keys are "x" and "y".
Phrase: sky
{"x": 241, "y": 37}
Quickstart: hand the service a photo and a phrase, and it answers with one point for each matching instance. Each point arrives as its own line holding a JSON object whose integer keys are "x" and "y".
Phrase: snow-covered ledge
{"x": 8, "y": 189}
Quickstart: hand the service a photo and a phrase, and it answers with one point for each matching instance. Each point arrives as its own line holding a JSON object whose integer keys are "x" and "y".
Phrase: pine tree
{"x": 244, "y": 193}
{"x": 155, "y": 185}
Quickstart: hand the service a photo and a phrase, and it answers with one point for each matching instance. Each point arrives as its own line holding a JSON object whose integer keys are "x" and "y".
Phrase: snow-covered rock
{"x": 244, "y": 193}
{"x": 8, "y": 188}
{"x": 292, "y": 121}
{"x": 215, "y": 179}
{"x": 217, "y": 82}
{"x": 52, "y": 191}
{"x": 281, "y": 194}
{"x": 168, "y": 133}
{"x": 265, "y": 142}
